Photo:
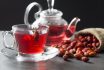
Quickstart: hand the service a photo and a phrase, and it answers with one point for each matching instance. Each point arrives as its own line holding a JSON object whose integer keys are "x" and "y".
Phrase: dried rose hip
{"x": 93, "y": 44}
{"x": 86, "y": 54}
{"x": 78, "y": 56}
{"x": 88, "y": 38}
{"x": 65, "y": 57}
{"x": 80, "y": 37}
{"x": 73, "y": 43}
{"x": 92, "y": 54}
{"x": 62, "y": 52}
{"x": 97, "y": 44}
{"x": 85, "y": 59}
{"x": 64, "y": 46}
{"x": 79, "y": 44}
{"x": 36, "y": 36}
{"x": 66, "y": 42}
{"x": 66, "y": 53}
{"x": 85, "y": 44}
{"x": 72, "y": 51}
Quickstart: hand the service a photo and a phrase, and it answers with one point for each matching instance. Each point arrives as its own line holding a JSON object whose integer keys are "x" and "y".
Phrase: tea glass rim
{"x": 18, "y": 27}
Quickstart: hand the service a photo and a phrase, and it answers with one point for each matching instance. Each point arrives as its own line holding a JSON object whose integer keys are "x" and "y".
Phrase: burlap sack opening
{"x": 97, "y": 32}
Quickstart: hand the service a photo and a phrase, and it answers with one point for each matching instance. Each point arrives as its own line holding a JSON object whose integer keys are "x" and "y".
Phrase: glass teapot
{"x": 58, "y": 27}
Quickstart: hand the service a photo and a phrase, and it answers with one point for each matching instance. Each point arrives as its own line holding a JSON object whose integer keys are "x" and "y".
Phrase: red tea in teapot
{"x": 57, "y": 33}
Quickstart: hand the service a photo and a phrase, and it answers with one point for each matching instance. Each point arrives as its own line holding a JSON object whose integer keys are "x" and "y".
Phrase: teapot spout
{"x": 73, "y": 24}
{"x": 72, "y": 27}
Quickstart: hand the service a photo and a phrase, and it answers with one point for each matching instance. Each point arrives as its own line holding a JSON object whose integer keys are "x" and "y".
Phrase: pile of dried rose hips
{"x": 82, "y": 47}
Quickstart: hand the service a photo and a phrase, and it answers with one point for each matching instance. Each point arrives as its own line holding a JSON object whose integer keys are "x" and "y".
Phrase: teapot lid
{"x": 51, "y": 13}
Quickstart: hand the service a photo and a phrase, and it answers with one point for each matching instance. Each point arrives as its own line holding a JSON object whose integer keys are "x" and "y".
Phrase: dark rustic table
{"x": 56, "y": 63}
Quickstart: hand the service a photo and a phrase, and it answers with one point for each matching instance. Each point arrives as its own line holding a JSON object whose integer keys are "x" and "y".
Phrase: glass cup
{"x": 29, "y": 43}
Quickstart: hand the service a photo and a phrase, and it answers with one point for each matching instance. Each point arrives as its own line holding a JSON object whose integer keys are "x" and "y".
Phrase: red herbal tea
{"x": 27, "y": 43}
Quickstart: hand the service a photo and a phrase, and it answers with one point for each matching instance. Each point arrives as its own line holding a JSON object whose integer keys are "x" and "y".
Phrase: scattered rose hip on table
{"x": 85, "y": 59}
{"x": 82, "y": 47}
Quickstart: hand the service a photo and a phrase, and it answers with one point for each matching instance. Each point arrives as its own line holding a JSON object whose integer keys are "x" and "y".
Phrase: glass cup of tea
{"x": 28, "y": 42}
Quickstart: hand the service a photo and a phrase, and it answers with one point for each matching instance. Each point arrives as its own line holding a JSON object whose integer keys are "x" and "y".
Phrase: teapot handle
{"x": 29, "y": 7}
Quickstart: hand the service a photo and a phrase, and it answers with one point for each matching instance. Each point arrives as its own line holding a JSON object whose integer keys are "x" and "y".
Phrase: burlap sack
{"x": 97, "y": 32}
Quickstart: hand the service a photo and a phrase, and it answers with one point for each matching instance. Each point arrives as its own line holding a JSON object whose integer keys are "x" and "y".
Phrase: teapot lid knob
{"x": 51, "y": 11}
